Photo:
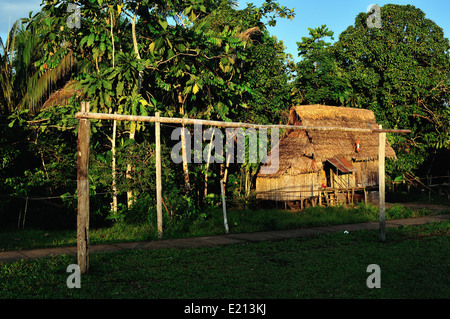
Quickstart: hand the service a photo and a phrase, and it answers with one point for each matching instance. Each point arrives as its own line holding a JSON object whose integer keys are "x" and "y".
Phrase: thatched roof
{"x": 62, "y": 96}
{"x": 303, "y": 151}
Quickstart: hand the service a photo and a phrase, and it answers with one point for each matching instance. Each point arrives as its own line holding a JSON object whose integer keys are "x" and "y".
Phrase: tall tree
{"x": 319, "y": 78}
{"x": 400, "y": 71}
{"x": 169, "y": 57}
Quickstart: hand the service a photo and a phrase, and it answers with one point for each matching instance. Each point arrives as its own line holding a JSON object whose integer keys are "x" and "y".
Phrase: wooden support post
{"x": 84, "y": 131}
{"x": 224, "y": 206}
{"x": 25, "y": 213}
{"x": 158, "y": 176}
{"x": 336, "y": 199}
{"x": 381, "y": 183}
{"x": 430, "y": 181}
{"x": 320, "y": 197}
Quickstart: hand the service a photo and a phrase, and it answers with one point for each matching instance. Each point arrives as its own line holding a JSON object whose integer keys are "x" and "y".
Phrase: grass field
{"x": 414, "y": 263}
{"x": 239, "y": 221}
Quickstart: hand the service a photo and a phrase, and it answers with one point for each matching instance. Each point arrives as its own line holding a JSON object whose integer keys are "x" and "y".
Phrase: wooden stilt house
{"x": 324, "y": 167}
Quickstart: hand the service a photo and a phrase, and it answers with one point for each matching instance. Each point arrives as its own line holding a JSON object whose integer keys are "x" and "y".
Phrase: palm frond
{"x": 40, "y": 84}
{"x": 6, "y": 69}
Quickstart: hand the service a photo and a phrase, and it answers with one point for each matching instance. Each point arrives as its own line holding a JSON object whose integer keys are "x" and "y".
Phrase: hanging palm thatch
{"x": 307, "y": 159}
{"x": 248, "y": 33}
{"x": 62, "y": 96}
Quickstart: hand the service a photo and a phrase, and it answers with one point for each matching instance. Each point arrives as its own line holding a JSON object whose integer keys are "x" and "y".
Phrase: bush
{"x": 398, "y": 212}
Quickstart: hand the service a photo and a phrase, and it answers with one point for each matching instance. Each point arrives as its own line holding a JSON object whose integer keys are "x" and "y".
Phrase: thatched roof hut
{"x": 309, "y": 160}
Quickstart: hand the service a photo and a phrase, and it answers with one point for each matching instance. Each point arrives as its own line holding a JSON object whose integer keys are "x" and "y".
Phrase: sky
{"x": 13, "y": 10}
{"x": 336, "y": 14}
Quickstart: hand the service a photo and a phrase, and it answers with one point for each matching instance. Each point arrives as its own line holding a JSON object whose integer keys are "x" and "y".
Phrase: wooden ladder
{"x": 330, "y": 198}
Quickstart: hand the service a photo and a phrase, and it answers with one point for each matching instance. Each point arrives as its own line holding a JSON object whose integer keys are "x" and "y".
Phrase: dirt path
{"x": 220, "y": 240}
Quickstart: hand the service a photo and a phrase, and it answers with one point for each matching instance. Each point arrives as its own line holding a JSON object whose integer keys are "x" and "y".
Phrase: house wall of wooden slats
{"x": 289, "y": 187}
{"x": 296, "y": 187}
{"x": 366, "y": 174}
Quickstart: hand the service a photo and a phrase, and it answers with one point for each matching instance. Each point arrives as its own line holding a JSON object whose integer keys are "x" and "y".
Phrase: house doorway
{"x": 339, "y": 172}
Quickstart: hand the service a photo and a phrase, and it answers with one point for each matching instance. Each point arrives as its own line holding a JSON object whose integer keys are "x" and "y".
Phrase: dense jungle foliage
{"x": 202, "y": 59}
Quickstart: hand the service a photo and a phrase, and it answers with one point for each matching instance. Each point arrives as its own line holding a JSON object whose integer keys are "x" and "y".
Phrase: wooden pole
{"x": 224, "y": 207}
{"x": 84, "y": 131}
{"x": 158, "y": 176}
{"x": 25, "y": 213}
{"x": 205, "y": 192}
{"x": 85, "y": 114}
{"x": 172, "y": 120}
{"x": 381, "y": 183}
{"x": 320, "y": 197}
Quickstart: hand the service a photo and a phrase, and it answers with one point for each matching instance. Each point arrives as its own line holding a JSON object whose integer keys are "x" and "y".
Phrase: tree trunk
{"x": 113, "y": 140}
{"x": 225, "y": 175}
{"x": 247, "y": 173}
{"x": 136, "y": 50}
{"x": 207, "y": 164}
{"x": 113, "y": 168}
{"x": 182, "y": 100}
{"x": 130, "y": 196}
{"x": 185, "y": 164}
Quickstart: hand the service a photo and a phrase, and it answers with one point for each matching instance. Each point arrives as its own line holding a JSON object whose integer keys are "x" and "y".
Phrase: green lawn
{"x": 239, "y": 221}
{"x": 414, "y": 263}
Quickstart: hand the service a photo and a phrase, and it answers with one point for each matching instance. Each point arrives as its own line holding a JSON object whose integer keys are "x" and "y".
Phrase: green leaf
{"x": 143, "y": 110}
{"x": 91, "y": 39}
{"x": 119, "y": 88}
{"x": 83, "y": 41}
{"x": 192, "y": 16}
{"x": 170, "y": 53}
{"x": 107, "y": 85}
{"x": 107, "y": 99}
{"x": 163, "y": 23}
{"x": 152, "y": 47}
{"x": 188, "y": 10}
